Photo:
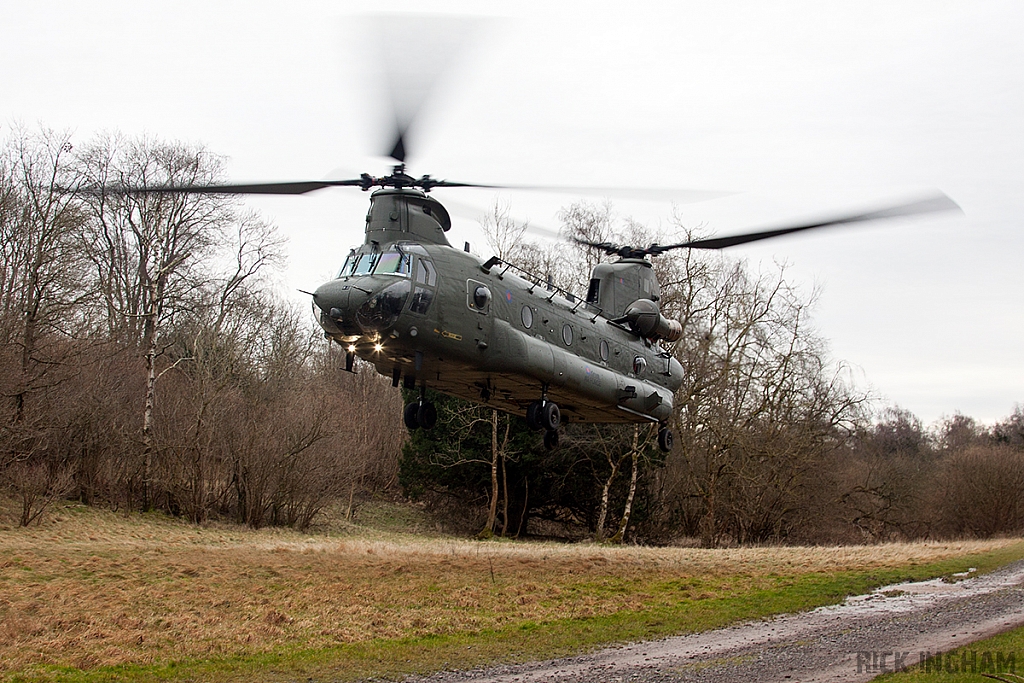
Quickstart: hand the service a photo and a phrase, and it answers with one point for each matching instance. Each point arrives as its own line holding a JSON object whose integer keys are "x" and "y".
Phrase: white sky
{"x": 804, "y": 109}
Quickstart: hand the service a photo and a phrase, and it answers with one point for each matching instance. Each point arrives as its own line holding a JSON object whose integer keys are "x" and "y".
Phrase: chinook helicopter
{"x": 428, "y": 315}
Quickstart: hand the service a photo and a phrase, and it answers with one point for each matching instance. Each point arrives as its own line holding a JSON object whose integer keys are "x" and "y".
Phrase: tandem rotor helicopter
{"x": 429, "y": 315}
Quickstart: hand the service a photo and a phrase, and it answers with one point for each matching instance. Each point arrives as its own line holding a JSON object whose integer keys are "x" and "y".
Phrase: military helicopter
{"x": 429, "y": 315}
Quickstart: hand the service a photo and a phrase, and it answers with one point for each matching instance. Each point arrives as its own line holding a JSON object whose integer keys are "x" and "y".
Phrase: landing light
{"x": 378, "y": 347}
{"x": 351, "y": 348}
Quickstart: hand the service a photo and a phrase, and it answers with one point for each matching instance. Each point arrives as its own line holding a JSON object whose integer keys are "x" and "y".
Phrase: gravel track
{"x": 821, "y": 645}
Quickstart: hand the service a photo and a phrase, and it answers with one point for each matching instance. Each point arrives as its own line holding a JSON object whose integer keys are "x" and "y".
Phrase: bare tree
{"x": 41, "y": 327}
{"x": 504, "y": 234}
{"x": 149, "y": 250}
{"x": 40, "y": 265}
{"x": 760, "y": 404}
{"x": 982, "y": 491}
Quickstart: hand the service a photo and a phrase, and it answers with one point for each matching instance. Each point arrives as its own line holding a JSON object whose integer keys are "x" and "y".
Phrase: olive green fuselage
{"x": 426, "y": 314}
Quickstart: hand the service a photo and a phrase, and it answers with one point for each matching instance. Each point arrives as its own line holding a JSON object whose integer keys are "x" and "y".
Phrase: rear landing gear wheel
{"x": 409, "y": 416}
{"x": 551, "y": 440}
{"x": 665, "y": 439}
{"x": 426, "y": 415}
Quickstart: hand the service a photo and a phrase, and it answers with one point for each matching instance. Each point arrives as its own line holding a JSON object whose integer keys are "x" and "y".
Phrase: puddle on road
{"x": 915, "y": 595}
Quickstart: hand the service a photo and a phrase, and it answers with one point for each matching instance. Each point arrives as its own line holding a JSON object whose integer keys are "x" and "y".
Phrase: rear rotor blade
{"x": 934, "y": 203}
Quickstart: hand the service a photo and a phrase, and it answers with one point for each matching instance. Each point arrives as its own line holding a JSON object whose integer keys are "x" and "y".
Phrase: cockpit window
{"x": 350, "y": 262}
{"x": 395, "y": 262}
{"x": 364, "y": 266}
{"x": 425, "y": 272}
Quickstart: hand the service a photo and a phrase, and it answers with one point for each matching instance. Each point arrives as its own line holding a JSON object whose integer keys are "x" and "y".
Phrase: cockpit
{"x": 394, "y": 261}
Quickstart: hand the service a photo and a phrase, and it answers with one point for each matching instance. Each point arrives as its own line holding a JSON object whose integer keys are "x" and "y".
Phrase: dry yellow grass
{"x": 92, "y": 588}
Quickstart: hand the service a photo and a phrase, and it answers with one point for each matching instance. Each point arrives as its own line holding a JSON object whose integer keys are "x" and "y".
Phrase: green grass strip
{"x": 999, "y": 656}
{"x": 525, "y": 641}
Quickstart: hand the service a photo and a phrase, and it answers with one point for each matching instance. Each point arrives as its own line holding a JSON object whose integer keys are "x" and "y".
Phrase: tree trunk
{"x": 147, "y": 414}
{"x": 603, "y": 514}
{"x": 492, "y": 513}
{"x": 621, "y": 533}
{"x": 504, "y": 490}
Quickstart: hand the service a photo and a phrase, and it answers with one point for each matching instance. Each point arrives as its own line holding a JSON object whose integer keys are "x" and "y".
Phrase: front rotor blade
{"x": 938, "y": 202}
{"x": 295, "y": 187}
{"x": 651, "y": 194}
{"x": 666, "y": 194}
{"x": 414, "y": 53}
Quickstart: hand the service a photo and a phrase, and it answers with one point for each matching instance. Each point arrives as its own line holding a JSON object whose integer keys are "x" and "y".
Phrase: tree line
{"x": 773, "y": 442}
{"x": 146, "y": 362}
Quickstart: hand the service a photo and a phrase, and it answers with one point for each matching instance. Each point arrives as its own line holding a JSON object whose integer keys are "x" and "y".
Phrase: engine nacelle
{"x": 646, "y": 319}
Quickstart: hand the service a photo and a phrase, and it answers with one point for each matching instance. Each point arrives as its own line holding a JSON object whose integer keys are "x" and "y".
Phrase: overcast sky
{"x": 802, "y": 109}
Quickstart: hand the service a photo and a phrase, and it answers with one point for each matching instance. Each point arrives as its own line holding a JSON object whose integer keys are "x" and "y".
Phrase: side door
{"x": 424, "y": 285}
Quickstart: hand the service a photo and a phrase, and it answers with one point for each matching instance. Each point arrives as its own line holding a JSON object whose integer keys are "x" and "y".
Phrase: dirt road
{"x": 854, "y": 641}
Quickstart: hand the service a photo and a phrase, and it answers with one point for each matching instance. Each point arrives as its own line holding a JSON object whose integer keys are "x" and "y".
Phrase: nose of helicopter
{"x": 338, "y": 302}
{"x": 368, "y": 306}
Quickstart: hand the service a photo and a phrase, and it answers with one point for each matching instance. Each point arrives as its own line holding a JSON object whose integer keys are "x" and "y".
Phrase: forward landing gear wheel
{"x": 409, "y": 416}
{"x": 665, "y": 439}
{"x": 533, "y": 416}
{"x": 550, "y": 416}
{"x": 426, "y": 416}
{"x": 551, "y": 440}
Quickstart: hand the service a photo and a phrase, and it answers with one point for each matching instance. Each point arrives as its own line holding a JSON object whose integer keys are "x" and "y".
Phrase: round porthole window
{"x": 527, "y": 317}
{"x": 567, "y": 334}
{"x": 481, "y": 298}
{"x": 604, "y": 350}
{"x": 639, "y": 364}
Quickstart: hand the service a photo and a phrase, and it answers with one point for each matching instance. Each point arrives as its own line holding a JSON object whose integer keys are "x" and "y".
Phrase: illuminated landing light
{"x": 351, "y": 348}
{"x": 378, "y": 347}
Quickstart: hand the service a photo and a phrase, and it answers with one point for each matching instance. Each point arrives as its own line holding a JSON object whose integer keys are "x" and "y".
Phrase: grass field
{"x": 92, "y": 595}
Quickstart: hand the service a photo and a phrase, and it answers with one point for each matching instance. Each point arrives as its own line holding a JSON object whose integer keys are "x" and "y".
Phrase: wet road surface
{"x": 854, "y": 641}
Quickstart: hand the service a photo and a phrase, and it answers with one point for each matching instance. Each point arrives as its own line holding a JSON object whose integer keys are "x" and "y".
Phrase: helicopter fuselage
{"x": 428, "y": 315}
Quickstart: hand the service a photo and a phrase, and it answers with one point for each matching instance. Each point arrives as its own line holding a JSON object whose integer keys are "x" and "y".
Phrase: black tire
{"x": 550, "y": 416}
{"x": 426, "y": 415}
{"x": 665, "y": 439}
{"x": 409, "y": 415}
{"x": 551, "y": 440}
{"x": 533, "y": 416}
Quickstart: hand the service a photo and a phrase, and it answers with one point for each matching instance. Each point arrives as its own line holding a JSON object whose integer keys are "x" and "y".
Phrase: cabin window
{"x": 478, "y": 296}
{"x": 567, "y": 334}
{"x": 425, "y": 272}
{"x": 426, "y": 277}
{"x": 421, "y": 298}
{"x": 527, "y": 317}
{"x": 604, "y": 350}
{"x": 595, "y": 289}
{"x": 394, "y": 262}
{"x": 639, "y": 365}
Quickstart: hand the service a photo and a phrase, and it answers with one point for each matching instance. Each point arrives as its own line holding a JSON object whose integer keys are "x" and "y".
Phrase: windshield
{"x": 350, "y": 262}
{"x": 393, "y": 261}
{"x": 364, "y": 266}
